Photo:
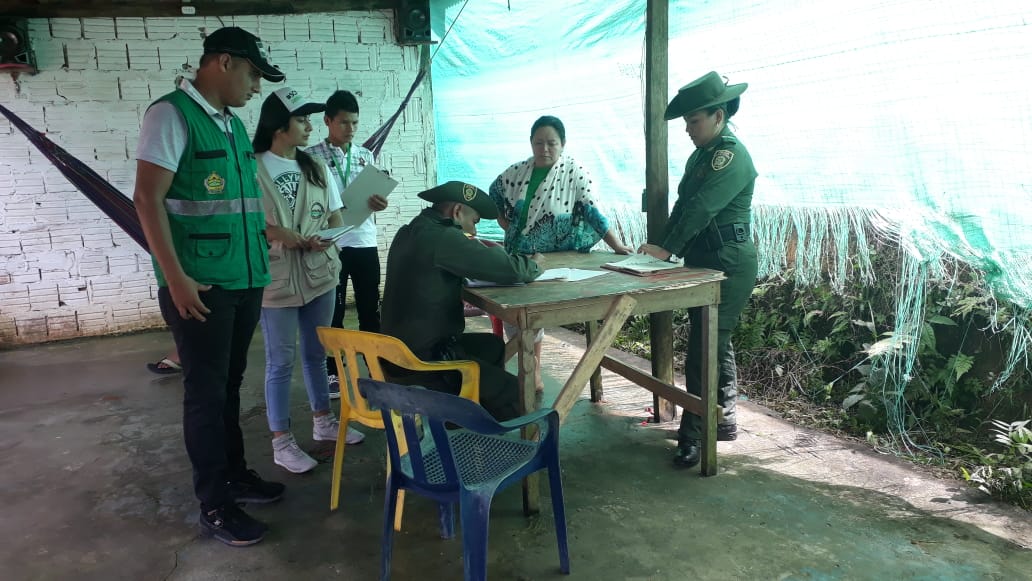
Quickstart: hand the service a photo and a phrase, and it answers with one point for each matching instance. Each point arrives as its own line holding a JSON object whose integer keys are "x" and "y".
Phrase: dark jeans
{"x": 499, "y": 389}
{"x": 738, "y": 262}
{"x": 362, "y": 265}
{"x": 214, "y": 356}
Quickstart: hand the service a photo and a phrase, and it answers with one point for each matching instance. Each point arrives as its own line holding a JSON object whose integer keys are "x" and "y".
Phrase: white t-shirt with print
{"x": 336, "y": 160}
{"x": 286, "y": 174}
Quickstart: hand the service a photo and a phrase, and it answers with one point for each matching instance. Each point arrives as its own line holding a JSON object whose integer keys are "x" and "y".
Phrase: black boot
{"x": 688, "y": 454}
{"x": 727, "y": 432}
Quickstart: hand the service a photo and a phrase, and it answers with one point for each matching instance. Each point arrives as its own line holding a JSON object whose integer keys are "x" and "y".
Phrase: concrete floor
{"x": 98, "y": 487}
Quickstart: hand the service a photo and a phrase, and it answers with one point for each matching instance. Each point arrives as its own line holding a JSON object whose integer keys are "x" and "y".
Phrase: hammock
{"x": 110, "y": 201}
{"x": 119, "y": 207}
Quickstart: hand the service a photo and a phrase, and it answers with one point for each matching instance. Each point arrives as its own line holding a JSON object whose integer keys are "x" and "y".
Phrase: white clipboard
{"x": 369, "y": 182}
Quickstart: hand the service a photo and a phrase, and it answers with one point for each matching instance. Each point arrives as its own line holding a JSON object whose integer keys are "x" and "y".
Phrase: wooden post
{"x": 657, "y": 184}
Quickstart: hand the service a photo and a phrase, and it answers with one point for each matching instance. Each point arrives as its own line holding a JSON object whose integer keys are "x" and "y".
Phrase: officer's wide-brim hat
{"x": 285, "y": 103}
{"x": 238, "y": 42}
{"x": 463, "y": 193}
{"x": 708, "y": 90}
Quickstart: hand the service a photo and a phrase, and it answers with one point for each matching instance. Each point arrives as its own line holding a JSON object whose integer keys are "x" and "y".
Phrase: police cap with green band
{"x": 463, "y": 193}
{"x": 707, "y": 91}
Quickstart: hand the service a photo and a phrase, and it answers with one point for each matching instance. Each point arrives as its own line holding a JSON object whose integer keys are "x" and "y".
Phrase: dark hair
{"x": 341, "y": 101}
{"x": 268, "y": 125}
{"x": 549, "y": 121}
{"x": 729, "y": 108}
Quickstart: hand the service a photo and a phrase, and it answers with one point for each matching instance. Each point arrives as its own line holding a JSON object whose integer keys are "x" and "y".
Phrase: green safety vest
{"x": 214, "y": 204}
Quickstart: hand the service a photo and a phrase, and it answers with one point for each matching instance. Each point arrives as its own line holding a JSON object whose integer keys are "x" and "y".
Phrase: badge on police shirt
{"x": 468, "y": 192}
{"x": 215, "y": 184}
{"x": 721, "y": 159}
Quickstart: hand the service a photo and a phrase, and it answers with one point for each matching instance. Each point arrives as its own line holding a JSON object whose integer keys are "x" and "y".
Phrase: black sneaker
{"x": 250, "y": 488}
{"x": 231, "y": 525}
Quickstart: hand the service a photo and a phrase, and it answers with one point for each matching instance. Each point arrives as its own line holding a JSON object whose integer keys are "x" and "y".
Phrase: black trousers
{"x": 362, "y": 265}
{"x": 499, "y": 389}
{"x": 214, "y": 356}
{"x": 738, "y": 261}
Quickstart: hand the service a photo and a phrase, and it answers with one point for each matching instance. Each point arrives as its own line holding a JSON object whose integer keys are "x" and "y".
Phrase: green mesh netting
{"x": 909, "y": 121}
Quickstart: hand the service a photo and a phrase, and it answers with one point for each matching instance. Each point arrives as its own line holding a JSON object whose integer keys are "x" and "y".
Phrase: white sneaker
{"x": 334, "y": 384}
{"x": 325, "y": 429}
{"x": 289, "y": 455}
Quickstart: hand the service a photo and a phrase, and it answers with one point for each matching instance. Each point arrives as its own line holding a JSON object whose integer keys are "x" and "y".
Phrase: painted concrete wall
{"x": 66, "y": 270}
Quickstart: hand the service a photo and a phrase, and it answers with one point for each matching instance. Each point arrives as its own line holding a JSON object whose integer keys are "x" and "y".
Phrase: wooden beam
{"x": 596, "y": 378}
{"x": 690, "y": 402}
{"x": 614, "y": 320}
{"x": 147, "y": 8}
{"x": 661, "y": 334}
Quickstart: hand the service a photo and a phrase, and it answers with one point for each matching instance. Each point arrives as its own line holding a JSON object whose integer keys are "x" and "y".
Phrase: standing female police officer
{"x": 709, "y": 227}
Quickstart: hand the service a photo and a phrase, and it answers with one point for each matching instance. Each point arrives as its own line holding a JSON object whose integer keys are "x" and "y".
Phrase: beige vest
{"x": 298, "y": 276}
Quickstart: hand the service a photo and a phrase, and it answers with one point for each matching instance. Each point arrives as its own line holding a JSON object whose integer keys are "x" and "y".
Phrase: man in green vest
{"x": 198, "y": 200}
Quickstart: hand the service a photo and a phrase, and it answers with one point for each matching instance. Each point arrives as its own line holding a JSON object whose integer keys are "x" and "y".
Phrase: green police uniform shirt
{"x": 428, "y": 261}
{"x": 717, "y": 187}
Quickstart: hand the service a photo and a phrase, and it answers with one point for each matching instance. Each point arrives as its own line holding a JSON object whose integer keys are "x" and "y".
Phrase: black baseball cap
{"x": 238, "y": 42}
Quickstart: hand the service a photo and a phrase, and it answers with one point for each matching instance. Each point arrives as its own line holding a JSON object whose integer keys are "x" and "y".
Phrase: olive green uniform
{"x": 422, "y": 304}
{"x": 709, "y": 227}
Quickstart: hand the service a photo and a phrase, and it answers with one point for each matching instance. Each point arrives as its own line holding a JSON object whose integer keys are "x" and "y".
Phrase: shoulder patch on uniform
{"x": 721, "y": 159}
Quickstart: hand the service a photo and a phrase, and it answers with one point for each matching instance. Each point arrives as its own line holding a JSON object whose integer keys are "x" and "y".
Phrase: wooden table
{"x": 610, "y": 298}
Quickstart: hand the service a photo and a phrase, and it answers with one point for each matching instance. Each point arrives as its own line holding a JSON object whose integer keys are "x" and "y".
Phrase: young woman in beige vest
{"x": 299, "y": 201}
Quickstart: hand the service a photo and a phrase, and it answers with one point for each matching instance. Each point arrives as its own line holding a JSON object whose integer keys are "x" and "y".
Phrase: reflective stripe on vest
{"x": 211, "y": 207}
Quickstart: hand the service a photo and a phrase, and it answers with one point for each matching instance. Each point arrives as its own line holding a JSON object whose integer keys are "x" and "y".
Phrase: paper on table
{"x": 567, "y": 274}
{"x": 640, "y": 264}
{"x": 476, "y": 283}
{"x": 369, "y": 182}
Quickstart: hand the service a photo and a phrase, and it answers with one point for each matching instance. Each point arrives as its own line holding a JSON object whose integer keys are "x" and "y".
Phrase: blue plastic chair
{"x": 467, "y": 465}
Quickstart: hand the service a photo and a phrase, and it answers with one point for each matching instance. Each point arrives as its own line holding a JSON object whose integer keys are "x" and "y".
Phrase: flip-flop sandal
{"x": 165, "y": 367}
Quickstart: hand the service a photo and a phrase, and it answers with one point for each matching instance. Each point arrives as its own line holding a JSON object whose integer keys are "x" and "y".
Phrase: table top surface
{"x": 605, "y": 286}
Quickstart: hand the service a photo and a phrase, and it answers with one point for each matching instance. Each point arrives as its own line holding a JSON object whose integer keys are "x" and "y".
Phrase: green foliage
{"x": 817, "y": 349}
{"x": 1008, "y": 474}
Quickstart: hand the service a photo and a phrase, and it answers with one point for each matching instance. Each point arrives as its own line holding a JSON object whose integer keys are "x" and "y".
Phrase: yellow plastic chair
{"x": 354, "y": 408}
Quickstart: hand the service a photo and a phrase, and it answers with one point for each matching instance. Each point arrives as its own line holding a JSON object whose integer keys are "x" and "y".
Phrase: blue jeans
{"x": 280, "y": 327}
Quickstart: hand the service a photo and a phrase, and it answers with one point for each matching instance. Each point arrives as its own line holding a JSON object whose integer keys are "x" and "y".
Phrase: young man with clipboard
{"x": 359, "y": 255}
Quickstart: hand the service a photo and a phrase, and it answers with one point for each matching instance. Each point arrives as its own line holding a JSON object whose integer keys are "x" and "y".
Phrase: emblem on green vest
{"x": 721, "y": 159}
{"x": 215, "y": 184}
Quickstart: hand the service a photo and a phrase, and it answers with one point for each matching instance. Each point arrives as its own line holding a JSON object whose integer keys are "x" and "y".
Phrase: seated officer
{"x": 428, "y": 261}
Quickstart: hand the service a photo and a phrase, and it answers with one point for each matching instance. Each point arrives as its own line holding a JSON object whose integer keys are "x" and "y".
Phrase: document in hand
{"x": 332, "y": 234}
{"x": 641, "y": 265}
{"x": 370, "y": 182}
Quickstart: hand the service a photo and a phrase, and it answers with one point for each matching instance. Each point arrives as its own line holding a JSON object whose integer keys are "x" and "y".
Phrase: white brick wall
{"x": 65, "y": 269}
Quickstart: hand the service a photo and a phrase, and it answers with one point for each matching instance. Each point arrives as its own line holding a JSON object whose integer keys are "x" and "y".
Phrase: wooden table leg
{"x": 596, "y": 378}
{"x": 661, "y": 340}
{"x": 708, "y": 369}
{"x": 527, "y": 367}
